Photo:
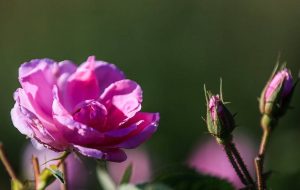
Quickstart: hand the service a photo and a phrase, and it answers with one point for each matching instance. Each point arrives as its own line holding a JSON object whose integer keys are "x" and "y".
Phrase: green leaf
{"x": 16, "y": 185}
{"x": 144, "y": 187}
{"x": 57, "y": 173}
{"x": 46, "y": 178}
{"x": 127, "y": 174}
{"x": 128, "y": 187}
{"x": 154, "y": 186}
{"x": 104, "y": 179}
{"x": 182, "y": 178}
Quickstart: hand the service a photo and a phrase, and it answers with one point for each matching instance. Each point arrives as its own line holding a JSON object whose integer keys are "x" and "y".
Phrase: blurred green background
{"x": 171, "y": 48}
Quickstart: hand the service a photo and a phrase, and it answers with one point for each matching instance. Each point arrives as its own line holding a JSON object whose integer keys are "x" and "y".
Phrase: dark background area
{"x": 171, "y": 48}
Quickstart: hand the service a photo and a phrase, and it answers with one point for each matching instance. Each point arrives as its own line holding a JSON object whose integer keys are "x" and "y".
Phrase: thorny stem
{"x": 6, "y": 163}
{"x": 241, "y": 163}
{"x": 64, "y": 186}
{"x": 36, "y": 169}
{"x": 258, "y": 170}
{"x": 235, "y": 165}
{"x": 259, "y": 160}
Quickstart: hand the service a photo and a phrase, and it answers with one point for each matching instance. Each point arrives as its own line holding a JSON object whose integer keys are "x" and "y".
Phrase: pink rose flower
{"x": 141, "y": 167}
{"x": 91, "y": 109}
{"x": 209, "y": 158}
{"x": 76, "y": 171}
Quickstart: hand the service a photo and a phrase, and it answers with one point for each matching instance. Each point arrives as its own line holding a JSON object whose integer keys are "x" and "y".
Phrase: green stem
{"x": 64, "y": 186}
{"x": 264, "y": 142}
{"x": 36, "y": 170}
{"x": 259, "y": 160}
{"x": 63, "y": 158}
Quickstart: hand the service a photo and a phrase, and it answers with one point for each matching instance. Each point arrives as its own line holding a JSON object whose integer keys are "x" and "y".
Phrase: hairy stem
{"x": 235, "y": 165}
{"x": 258, "y": 170}
{"x": 241, "y": 163}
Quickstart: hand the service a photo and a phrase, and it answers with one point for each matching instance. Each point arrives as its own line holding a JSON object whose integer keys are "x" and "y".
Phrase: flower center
{"x": 91, "y": 113}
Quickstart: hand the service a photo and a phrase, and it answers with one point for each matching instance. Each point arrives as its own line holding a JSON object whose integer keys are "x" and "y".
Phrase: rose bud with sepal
{"x": 276, "y": 96}
{"x": 220, "y": 121}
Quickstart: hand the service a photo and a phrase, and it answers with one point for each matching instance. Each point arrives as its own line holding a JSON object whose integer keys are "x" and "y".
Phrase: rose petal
{"x": 19, "y": 121}
{"x": 114, "y": 155}
{"x": 121, "y": 132}
{"x": 66, "y": 68}
{"x": 79, "y": 134}
{"x": 89, "y": 152}
{"x": 147, "y": 124}
{"x": 28, "y": 68}
{"x": 123, "y": 100}
{"x": 107, "y": 74}
{"x": 75, "y": 132}
{"x": 37, "y": 79}
{"x": 27, "y": 123}
{"x": 81, "y": 85}
{"x": 23, "y": 100}
{"x": 21, "y": 97}
{"x": 91, "y": 113}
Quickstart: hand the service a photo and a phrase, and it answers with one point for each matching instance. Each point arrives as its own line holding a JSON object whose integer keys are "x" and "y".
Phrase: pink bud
{"x": 277, "y": 94}
{"x": 215, "y": 107}
{"x": 283, "y": 78}
{"x": 220, "y": 122}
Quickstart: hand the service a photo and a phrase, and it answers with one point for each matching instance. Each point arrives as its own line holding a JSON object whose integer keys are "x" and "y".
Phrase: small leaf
{"x": 57, "y": 173}
{"x": 16, "y": 185}
{"x": 104, "y": 179}
{"x": 46, "y": 178}
{"x": 127, "y": 175}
